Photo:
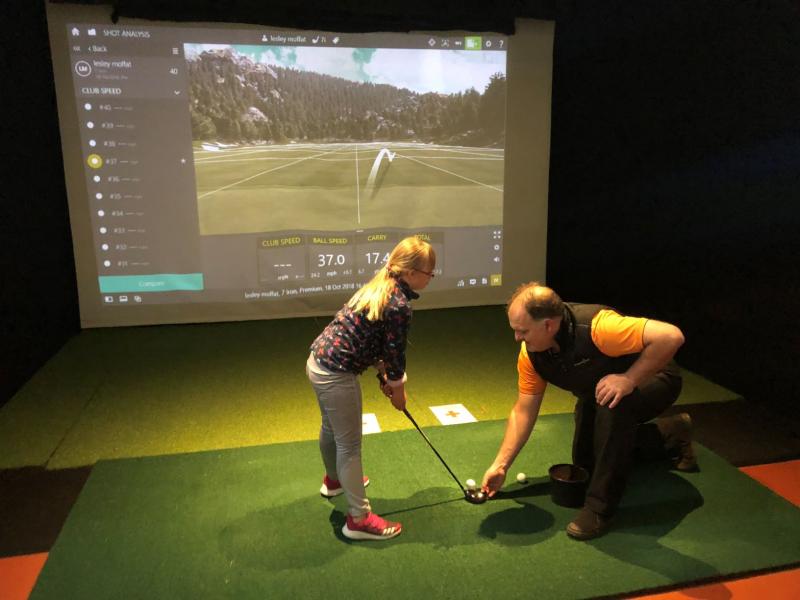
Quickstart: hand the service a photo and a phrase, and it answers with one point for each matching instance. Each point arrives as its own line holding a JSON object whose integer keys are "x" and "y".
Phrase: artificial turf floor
{"x": 147, "y": 391}
{"x": 249, "y": 522}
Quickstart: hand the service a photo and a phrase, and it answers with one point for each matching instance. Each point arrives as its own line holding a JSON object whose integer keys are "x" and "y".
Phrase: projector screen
{"x": 222, "y": 172}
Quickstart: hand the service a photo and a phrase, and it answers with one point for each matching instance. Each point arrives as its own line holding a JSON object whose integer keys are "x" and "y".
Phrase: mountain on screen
{"x": 234, "y": 99}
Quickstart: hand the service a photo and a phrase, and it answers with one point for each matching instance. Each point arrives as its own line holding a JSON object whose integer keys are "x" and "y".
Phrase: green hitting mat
{"x": 249, "y": 523}
{"x": 147, "y": 391}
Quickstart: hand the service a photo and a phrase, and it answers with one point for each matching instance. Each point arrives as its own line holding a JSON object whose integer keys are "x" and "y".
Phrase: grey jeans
{"x": 339, "y": 397}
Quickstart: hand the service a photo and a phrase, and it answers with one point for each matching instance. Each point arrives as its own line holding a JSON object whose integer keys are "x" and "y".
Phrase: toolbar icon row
{"x": 122, "y": 299}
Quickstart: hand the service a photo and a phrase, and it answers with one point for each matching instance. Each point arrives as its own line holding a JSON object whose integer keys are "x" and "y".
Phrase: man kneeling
{"x": 621, "y": 371}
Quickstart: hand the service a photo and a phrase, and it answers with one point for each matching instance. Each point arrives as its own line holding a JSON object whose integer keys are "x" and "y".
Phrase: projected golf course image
{"x": 346, "y": 139}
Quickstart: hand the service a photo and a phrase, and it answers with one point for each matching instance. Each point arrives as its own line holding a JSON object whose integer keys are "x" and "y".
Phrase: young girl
{"x": 370, "y": 330}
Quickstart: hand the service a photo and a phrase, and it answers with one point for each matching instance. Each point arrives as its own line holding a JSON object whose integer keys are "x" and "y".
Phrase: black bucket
{"x": 568, "y": 484}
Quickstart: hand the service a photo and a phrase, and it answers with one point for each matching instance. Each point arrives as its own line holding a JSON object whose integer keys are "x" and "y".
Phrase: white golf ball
{"x": 470, "y": 484}
{"x": 521, "y": 478}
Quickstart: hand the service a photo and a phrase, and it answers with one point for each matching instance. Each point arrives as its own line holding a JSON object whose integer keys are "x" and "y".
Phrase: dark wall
{"x": 674, "y": 179}
{"x": 675, "y": 174}
{"x": 38, "y": 293}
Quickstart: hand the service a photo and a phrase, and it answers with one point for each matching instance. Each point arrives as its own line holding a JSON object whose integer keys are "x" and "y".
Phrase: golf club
{"x": 471, "y": 496}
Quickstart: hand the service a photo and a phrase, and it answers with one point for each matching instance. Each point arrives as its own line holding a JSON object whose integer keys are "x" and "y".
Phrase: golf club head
{"x": 475, "y": 496}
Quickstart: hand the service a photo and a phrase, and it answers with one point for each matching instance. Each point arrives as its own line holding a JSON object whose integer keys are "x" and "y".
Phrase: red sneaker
{"x": 372, "y": 527}
{"x": 331, "y": 487}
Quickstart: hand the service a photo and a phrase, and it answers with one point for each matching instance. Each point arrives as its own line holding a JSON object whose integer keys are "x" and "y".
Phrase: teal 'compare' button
{"x": 164, "y": 282}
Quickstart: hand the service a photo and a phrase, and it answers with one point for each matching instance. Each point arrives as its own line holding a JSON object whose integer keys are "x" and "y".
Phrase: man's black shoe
{"x": 687, "y": 459}
{"x": 677, "y": 433}
{"x": 587, "y": 525}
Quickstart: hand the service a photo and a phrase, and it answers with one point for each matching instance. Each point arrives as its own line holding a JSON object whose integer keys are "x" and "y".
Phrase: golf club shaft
{"x": 439, "y": 456}
{"x": 382, "y": 381}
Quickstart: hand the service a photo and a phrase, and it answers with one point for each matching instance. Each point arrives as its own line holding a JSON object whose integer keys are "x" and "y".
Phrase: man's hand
{"x": 518, "y": 430}
{"x": 493, "y": 480}
{"x": 613, "y": 388}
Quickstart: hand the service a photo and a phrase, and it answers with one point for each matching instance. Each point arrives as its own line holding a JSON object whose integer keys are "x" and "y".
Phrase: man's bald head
{"x": 539, "y": 301}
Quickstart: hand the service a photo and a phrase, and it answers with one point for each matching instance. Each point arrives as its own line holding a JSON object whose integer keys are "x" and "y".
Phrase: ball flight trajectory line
{"x": 385, "y": 152}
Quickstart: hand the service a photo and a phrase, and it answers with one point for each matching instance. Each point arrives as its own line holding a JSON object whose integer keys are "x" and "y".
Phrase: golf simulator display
{"x": 278, "y": 185}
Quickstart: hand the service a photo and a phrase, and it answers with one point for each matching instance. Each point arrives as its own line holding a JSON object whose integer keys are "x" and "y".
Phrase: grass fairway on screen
{"x": 341, "y": 186}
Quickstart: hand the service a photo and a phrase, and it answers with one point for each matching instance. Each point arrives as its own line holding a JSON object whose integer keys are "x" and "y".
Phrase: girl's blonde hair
{"x": 409, "y": 255}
